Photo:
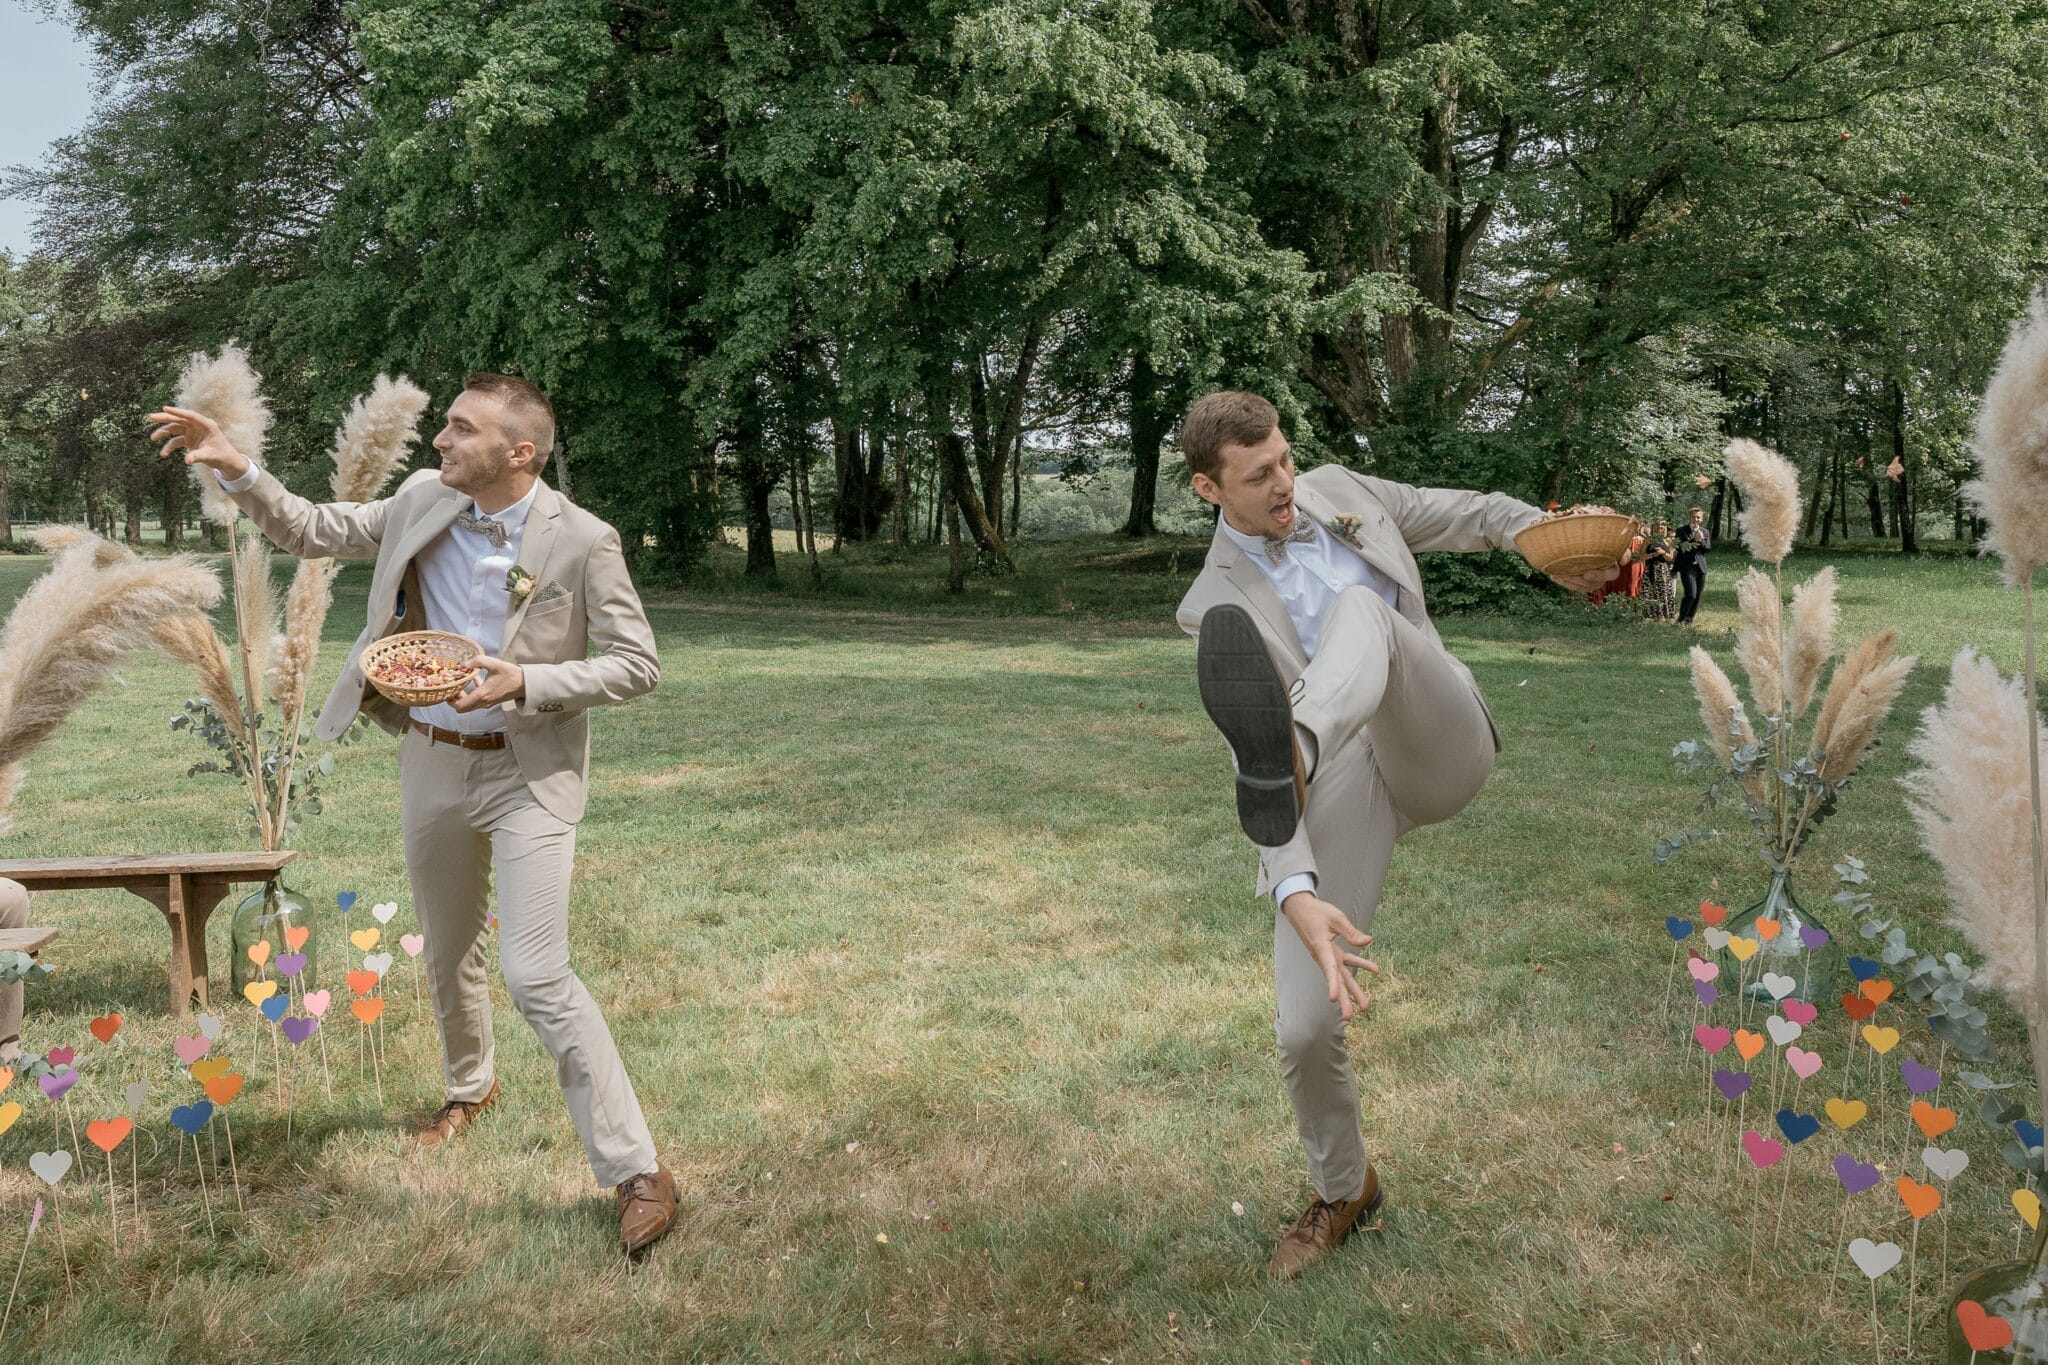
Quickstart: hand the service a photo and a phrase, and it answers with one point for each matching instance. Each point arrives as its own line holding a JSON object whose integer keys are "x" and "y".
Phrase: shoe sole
{"x": 1246, "y": 698}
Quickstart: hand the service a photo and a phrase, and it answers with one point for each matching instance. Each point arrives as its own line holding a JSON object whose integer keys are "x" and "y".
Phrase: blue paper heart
{"x": 2030, "y": 1133}
{"x": 1797, "y": 1127}
{"x": 190, "y": 1118}
{"x": 346, "y": 900}
{"x": 1679, "y": 927}
{"x": 1919, "y": 1079}
{"x": 274, "y": 1008}
{"x": 1732, "y": 1084}
{"x": 1863, "y": 969}
{"x": 1707, "y": 991}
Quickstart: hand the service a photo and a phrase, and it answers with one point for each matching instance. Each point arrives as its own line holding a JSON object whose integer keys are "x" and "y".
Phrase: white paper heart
{"x": 1779, "y": 986}
{"x": 1717, "y": 939}
{"x": 384, "y": 911}
{"x": 1874, "y": 1259}
{"x": 209, "y": 1025}
{"x": 50, "y": 1167}
{"x": 136, "y": 1094}
{"x": 1946, "y": 1165}
{"x": 1782, "y": 1030}
{"x": 379, "y": 963}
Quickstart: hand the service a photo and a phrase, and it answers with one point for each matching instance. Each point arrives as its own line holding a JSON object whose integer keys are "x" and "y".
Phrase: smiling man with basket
{"x": 1349, "y": 724}
{"x": 488, "y": 592}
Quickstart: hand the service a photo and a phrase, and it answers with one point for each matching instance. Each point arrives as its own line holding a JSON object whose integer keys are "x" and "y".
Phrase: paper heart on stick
{"x": 190, "y": 1118}
{"x": 1876, "y": 992}
{"x": 1931, "y": 1119}
{"x": 1782, "y": 1031}
{"x": 379, "y": 963}
{"x": 1711, "y": 913}
{"x": 1763, "y": 1151}
{"x": 55, "y": 1083}
{"x": 2024, "y": 1202}
{"x": 2029, "y": 1133}
{"x": 1704, "y": 993}
{"x": 6, "y": 1077}
{"x": 1847, "y": 1113}
{"x": 1712, "y": 1039}
{"x": 1743, "y": 949}
{"x": 1767, "y": 929}
{"x": 316, "y": 1003}
{"x": 105, "y": 1027}
{"x": 1919, "y": 1079}
{"x": 61, "y": 1056}
{"x": 135, "y": 1094}
{"x": 107, "y": 1134}
{"x": 275, "y": 1007}
{"x": 259, "y": 991}
{"x": 1856, "y": 1176}
{"x": 205, "y": 1071}
{"x": 1856, "y": 1007}
{"x": 346, "y": 900}
{"x": 1799, "y": 1012}
{"x": 1732, "y": 1084}
{"x": 1748, "y": 1044}
{"x": 1920, "y": 1200}
{"x": 1677, "y": 928}
{"x": 1802, "y": 1062}
{"x": 1982, "y": 1331}
{"x": 295, "y": 936}
{"x": 223, "y": 1089}
{"x": 209, "y": 1026}
{"x": 414, "y": 944}
{"x": 365, "y": 939}
{"x": 383, "y": 911}
{"x": 190, "y": 1050}
{"x": 362, "y": 982}
{"x": 366, "y": 1010}
{"x": 1880, "y": 1038}
{"x": 9, "y": 1112}
{"x": 259, "y": 952}
{"x": 298, "y": 1030}
{"x": 1779, "y": 986}
{"x": 1945, "y": 1165}
{"x": 1812, "y": 936}
{"x": 1703, "y": 970}
{"x": 1875, "y": 1259}
{"x": 50, "y": 1167}
{"x": 1797, "y": 1127}
{"x": 1863, "y": 968}
{"x": 1717, "y": 939}
{"x": 290, "y": 964}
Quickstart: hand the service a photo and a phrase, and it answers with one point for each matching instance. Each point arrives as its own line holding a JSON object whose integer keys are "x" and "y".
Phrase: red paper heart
{"x": 1856, "y": 1007}
{"x": 1984, "y": 1331}
{"x": 362, "y": 982}
{"x": 107, "y": 1134}
{"x": 1712, "y": 914}
{"x": 105, "y": 1027}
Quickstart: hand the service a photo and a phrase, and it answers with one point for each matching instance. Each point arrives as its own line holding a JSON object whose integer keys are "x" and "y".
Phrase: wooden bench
{"x": 185, "y": 887}
{"x": 30, "y": 941}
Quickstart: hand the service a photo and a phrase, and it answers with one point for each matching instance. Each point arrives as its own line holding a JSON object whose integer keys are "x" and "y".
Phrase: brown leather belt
{"x": 491, "y": 739}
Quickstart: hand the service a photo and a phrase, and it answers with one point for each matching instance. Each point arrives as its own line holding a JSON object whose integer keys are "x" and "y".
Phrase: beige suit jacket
{"x": 582, "y": 597}
{"x": 1394, "y": 521}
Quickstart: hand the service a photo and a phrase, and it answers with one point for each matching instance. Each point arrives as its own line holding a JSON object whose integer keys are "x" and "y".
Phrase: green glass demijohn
{"x": 262, "y": 917}
{"x": 1817, "y": 972}
{"x": 2016, "y": 1291}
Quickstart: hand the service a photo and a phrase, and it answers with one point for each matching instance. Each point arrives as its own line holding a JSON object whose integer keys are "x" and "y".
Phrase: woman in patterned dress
{"x": 1659, "y": 601}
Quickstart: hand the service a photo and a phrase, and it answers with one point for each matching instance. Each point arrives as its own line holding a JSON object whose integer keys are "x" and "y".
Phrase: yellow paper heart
{"x": 259, "y": 991}
{"x": 11, "y": 1111}
{"x": 1881, "y": 1040}
{"x": 259, "y": 953}
{"x": 1743, "y": 948}
{"x": 1847, "y": 1113}
{"x": 212, "y": 1069}
{"x": 2026, "y": 1201}
{"x": 365, "y": 939}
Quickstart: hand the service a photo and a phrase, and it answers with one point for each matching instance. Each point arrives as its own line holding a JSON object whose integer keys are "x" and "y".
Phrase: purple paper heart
{"x": 1732, "y": 1084}
{"x": 1854, "y": 1175}
{"x": 298, "y": 1029}
{"x": 291, "y": 964}
{"x": 55, "y": 1083}
{"x": 1707, "y": 991}
{"x": 61, "y": 1056}
{"x": 1812, "y": 936}
{"x": 1919, "y": 1079}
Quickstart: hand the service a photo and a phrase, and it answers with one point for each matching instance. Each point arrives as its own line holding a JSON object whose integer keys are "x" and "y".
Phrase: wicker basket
{"x": 1577, "y": 544}
{"x": 439, "y": 644}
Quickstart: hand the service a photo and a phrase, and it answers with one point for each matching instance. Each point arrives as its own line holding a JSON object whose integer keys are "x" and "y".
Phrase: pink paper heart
{"x": 1703, "y": 970}
{"x": 413, "y": 944}
{"x": 316, "y": 1004}
{"x": 1799, "y": 1012}
{"x": 190, "y": 1050}
{"x": 1802, "y": 1062}
{"x": 1762, "y": 1150}
{"x": 1712, "y": 1039}
{"x": 61, "y": 1056}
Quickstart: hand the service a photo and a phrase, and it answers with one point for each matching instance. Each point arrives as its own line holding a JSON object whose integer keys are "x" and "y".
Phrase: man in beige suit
{"x": 13, "y": 915}
{"x": 1349, "y": 724}
{"x": 493, "y": 782}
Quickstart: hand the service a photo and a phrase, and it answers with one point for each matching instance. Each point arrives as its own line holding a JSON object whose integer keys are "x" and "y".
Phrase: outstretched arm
{"x": 296, "y": 525}
{"x": 1460, "y": 519}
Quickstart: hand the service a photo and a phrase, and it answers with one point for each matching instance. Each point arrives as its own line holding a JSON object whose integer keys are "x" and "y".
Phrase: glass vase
{"x": 2016, "y": 1291}
{"x": 1816, "y": 971}
{"x": 263, "y": 917}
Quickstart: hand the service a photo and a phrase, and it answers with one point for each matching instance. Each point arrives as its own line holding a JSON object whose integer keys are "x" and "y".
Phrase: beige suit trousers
{"x": 469, "y": 816}
{"x": 1402, "y": 741}
{"x": 13, "y": 915}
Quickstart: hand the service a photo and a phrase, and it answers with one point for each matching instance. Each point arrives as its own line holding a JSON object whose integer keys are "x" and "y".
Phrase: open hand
{"x": 199, "y": 436}
{"x": 1585, "y": 582}
{"x": 1321, "y": 925}
{"x": 501, "y": 682}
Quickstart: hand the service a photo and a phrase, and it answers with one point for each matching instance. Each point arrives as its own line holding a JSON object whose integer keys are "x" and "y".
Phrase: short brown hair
{"x": 533, "y": 417}
{"x": 1228, "y": 417}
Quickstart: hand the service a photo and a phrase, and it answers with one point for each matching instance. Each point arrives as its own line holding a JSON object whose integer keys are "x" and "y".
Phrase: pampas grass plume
{"x": 1759, "y": 643}
{"x": 1770, "y": 498}
{"x": 255, "y": 615}
{"x": 2010, "y": 442}
{"x": 1809, "y": 639}
{"x": 372, "y": 441}
{"x": 1859, "y": 697}
{"x": 226, "y": 389}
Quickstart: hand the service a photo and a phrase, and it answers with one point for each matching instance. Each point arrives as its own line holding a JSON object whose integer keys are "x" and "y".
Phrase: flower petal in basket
{"x": 421, "y": 667}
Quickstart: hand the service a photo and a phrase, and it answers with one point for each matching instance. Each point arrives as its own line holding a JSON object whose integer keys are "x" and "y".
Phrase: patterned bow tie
{"x": 1276, "y": 546}
{"x": 492, "y": 530}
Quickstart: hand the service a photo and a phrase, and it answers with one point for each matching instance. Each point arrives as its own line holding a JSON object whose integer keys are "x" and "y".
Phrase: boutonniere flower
{"x": 518, "y": 584}
{"x": 1345, "y": 525}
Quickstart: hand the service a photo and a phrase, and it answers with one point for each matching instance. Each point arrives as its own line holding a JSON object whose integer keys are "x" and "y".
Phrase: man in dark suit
{"x": 1693, "y": 544}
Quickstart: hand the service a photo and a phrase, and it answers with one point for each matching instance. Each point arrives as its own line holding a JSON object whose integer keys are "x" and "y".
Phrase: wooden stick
{"x": 377, "y": 1069}
{"x": 57, "y": 1214}
{"x": 1783, "y": 1190}
{"x": 1912, "y": 1280}
{"x": 326, "y": 1072}
{"x": 1670, "y": 981}
{"x": 77, "y": 1152}
{"x": 8, "y": 1316}
{"x": 1841, "y": 1231}
{"x": 113, "y": 1201}
{"x": 200, "y": 1166}
{"x": 229, "y": 1124}
{"x": 135, "y": 1183}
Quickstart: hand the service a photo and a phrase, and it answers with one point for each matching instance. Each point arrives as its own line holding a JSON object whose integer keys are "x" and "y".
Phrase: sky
{"x": 45, "y": 92}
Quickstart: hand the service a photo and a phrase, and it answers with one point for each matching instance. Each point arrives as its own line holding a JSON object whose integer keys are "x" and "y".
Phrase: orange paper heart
{"x": 1712, "y": 914}
{"x": 366, "y": 1010}
{"x": 207, "y": 1070}
{"x": 1768, "y": 929}
{"x": 107, "y": 1134}
{"x": 1921, "y": 1200}
{"x": 6, "y": 1077}
{"x": 1876, "y": 992}
{"x": 1983, "y": 1331}
{"x": 103, "y": 1028}
{"x": 295, "y": 936}
{"x": 1748, "y": 1044}
{"x": 362, "y": 982}
{"x": 1933, "y": 1121}
{"x": 223, "y": 1089}
{"x": 259, "y": 952}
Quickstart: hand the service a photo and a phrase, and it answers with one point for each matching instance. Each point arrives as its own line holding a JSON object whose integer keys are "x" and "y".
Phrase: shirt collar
{"x": 1256, "y": 545}
{"x": 512, "y": 518}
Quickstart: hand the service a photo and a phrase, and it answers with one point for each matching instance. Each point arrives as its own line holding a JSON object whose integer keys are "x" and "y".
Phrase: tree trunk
{"x": 1148, "y": 429}
{"x": 956, "y": 555}
{"x": 845, "y": 457}
{"x": 952, "y": 450}
{"x": 1902, "y": 492}
{"x": 902, "y": 485}
{"x": 1872, "y": 501}
{"x": 988, "y": 461}
{"x": 132, "y": 531}
{"x": 757, "y": 481}
{"x": 803, "y": 488}
{"x": 6, "y": 520}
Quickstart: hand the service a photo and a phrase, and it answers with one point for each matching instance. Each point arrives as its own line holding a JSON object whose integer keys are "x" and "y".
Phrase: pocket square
{"x": 550, "y": 591}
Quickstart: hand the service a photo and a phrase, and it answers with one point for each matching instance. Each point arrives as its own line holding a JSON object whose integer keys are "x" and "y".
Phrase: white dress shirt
{"x": 1307, "y": 579}
{"x": 462, "y": 582}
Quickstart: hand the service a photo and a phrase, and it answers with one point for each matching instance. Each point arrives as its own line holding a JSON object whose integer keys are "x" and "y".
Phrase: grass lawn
{"x": 928, "y": 920}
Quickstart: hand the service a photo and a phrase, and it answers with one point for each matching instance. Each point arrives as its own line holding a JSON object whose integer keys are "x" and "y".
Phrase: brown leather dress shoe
{"x": 647, "y": 1209}
{"x": 1323, "y": 1228}
{"x": 454, "y": 1116}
